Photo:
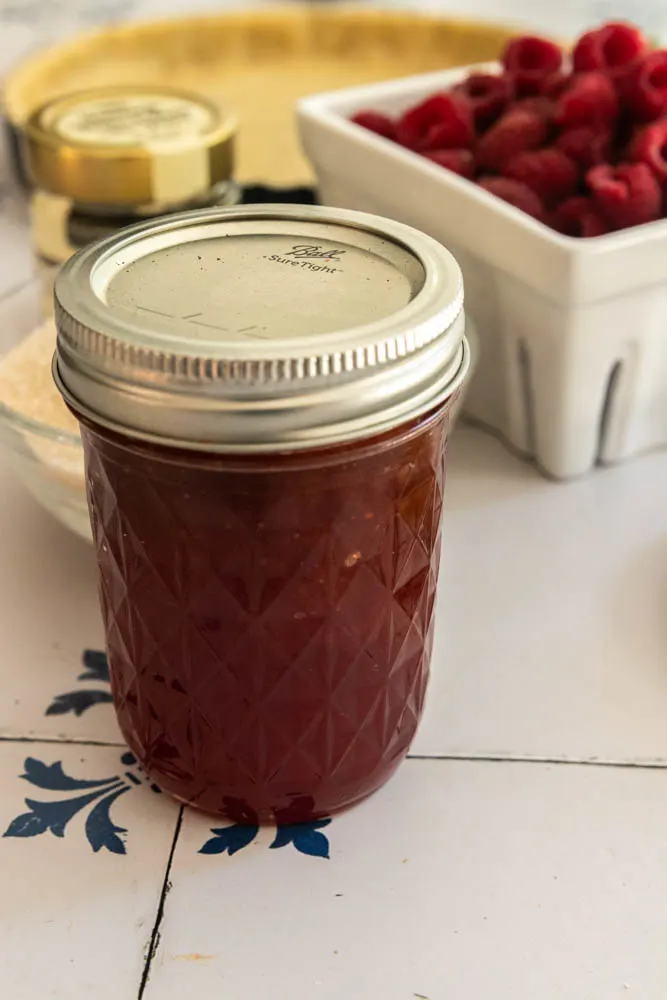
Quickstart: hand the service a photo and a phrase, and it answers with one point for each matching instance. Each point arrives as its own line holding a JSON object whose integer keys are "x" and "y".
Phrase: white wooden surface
{"x": 521, "y": 854}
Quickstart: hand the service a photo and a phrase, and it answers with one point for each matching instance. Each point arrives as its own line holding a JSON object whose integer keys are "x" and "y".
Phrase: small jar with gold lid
{"x": 104, "y": 159}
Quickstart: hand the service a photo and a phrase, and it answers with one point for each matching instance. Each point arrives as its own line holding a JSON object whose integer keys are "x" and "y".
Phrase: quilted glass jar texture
{"x": 269, "y": 625}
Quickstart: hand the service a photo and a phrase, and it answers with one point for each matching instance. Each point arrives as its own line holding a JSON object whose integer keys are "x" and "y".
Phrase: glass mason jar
{"x": 104, "y": 159}
{"x": 264, "y": 398}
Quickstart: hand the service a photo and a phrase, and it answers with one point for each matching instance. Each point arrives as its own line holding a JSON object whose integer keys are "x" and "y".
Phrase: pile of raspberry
{"x": 578, "y": 142}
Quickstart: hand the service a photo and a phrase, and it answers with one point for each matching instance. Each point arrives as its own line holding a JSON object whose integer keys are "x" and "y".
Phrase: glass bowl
{"x": 47, "y": 458}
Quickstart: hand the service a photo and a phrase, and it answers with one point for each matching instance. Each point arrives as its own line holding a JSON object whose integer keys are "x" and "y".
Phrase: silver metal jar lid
{"x": 260, "y": 329}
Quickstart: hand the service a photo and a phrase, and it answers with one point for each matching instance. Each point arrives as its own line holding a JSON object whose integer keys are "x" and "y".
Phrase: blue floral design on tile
{"x": 229, "y": 839}
{"x": 53, "y": 816}
{"x": 96, "y": 664}
{"x": 78, "y": 702}
{"x": 305, "y": 837}
{"x": 97, "y": 796}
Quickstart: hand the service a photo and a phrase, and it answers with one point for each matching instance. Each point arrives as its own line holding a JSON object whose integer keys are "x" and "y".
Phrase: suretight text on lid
{"x": 266, "y": 328}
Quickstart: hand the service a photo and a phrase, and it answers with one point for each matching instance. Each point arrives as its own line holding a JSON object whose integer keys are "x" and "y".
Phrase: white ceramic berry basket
{"x": 573, "y": 333}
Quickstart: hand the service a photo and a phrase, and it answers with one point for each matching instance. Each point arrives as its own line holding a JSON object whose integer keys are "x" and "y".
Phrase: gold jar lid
{"x": 134, "y": 145}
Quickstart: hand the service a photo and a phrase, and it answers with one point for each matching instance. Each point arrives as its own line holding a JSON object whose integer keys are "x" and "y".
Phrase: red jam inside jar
{"x": 269, "y": 623}
{"x": 267, "y": 584}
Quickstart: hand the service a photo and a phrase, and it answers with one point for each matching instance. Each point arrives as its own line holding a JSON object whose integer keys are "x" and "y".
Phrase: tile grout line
{"x": 488, "y": 758}
{"x": 639, "y": 765}
{"x": 159, "y": 916}
{"x": 57, "y": 741}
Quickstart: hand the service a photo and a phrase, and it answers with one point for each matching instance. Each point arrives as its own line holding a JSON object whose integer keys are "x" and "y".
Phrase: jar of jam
{"x": 104, "y": 159}
{"x": 264, "y": 397}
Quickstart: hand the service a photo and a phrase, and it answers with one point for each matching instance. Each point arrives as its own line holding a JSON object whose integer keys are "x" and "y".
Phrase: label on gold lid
{"x": 130, "y": 145}
{"x": 133, "y": 120}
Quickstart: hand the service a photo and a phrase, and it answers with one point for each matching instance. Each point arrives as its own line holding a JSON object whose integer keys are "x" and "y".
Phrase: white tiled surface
{"x": 531, "y": 876}
{"x": 459, "y": 881}
{"x": 48, "y": 616}
{"x": 553, "y": 613}
{"x": 73, "y": 923}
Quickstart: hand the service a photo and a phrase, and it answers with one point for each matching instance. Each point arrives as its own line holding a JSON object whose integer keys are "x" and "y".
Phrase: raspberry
{"x": 548, "y": 172}
{"x": 376, "y": 122}
{"x": 626, "y": 195}
{"x": 650, "y": 146}
{"x": 613, "y": 49}
{"x": 516, "y": 132}
{"x": 587, "y": 145}
{"x": 554, "y": 85}
{"x": 646, "y": 92}
{"x": 530, "y": 61}
{"x": 459, "y": 161}
{"x": 443, "y": 121}
{"x": 579, "y": 217}
{"x": 488, "y": 96}
{"x": 590, "y": 99}
{"x": 514, "y": 192}
{"x": 542, "y": 106}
